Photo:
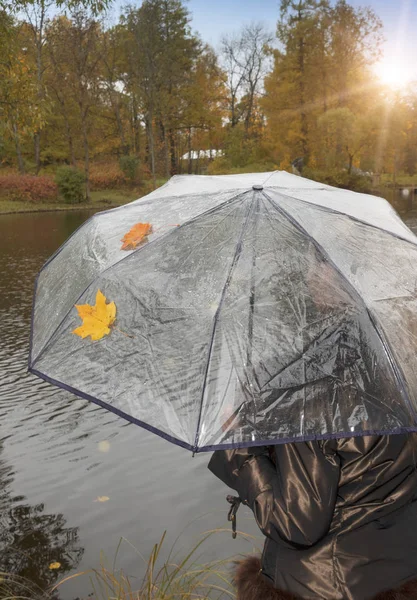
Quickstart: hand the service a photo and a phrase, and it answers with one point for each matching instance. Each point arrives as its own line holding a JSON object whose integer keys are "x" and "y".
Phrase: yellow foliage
{"x": 96, "y": 319}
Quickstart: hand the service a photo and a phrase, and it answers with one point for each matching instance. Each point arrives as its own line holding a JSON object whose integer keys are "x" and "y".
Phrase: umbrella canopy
{"x": 237, "y": 310}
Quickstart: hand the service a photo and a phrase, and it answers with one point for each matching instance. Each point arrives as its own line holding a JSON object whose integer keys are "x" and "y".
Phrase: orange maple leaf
{"x": 136, "y": 236}
{"x": 96, "y": 319}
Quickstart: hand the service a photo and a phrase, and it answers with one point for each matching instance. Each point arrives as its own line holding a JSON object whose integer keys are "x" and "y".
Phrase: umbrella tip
{"x": 257, "y": 187}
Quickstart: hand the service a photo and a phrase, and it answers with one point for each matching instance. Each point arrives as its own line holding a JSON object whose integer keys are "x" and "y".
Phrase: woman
{"x": 339, "y": 517}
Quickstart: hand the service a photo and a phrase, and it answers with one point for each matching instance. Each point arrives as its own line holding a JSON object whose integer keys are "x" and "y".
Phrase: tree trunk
{"x": 394, "y": 178}
{"x": 37, "y": 143}
{"x": 233, "y": 111}
{"x": 248, "y": 119}
{"x": 70, "y": 143}
{"x": 135, "y": 121}
{"x": 303, "y": 115}
{"x": 190, "y": 162}
{"x": 350, "y": 163}
{"x": 304, "y": 124}
{"x": 125, "y": 146}
{"x": 149, "y": 127}
{"x": 68, "y": 134}
{"x": 166, "y": 150}
{"x": 197, "y": 166}
{"x": 174, "y": 168}
{"x": 40, "y": 97}
{"x": 20, "y": 163}
{"x": 86, "y": 158}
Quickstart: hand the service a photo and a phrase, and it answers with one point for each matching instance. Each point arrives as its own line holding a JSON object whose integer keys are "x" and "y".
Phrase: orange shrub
{"x": 29, "y": 188}
{"x": 106, "y": 176}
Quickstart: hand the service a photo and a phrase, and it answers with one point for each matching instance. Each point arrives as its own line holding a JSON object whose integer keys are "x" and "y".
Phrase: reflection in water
{"x": 30, "y": 540}
{"x": 31, "y": 536}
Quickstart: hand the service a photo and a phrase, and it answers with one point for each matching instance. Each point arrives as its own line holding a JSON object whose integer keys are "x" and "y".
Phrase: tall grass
{"x": 173, "y": 578}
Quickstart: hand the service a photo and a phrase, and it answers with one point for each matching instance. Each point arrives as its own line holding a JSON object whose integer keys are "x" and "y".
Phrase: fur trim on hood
{"x": 251, "y": 585}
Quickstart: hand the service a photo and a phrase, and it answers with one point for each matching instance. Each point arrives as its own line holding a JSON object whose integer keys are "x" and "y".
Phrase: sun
{"x": 394, "y": 72}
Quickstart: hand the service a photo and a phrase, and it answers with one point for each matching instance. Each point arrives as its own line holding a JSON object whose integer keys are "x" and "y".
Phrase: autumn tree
{"x": 410, "y": 142}
{"x": 96, "y": 7}
{"x": 36, "y": 15}
{"x": 203, "y": 107}
{"x": 246, "y": 61}
{"x": 355, "y": 38}
{"x": 344, "y": 137}
{"x": 74, "y": 50}
{"x": 112, "y": 80}
{"x": 323, "y": 63}
{"x": 20, "y": 110}
{"x": 162, "y": 52}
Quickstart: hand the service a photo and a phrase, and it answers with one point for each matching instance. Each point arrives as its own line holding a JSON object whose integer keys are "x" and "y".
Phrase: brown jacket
{"x": 339, "y": 516}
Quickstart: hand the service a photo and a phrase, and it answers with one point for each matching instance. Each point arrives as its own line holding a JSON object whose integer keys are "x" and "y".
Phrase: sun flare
{"x": 394, "y": 72}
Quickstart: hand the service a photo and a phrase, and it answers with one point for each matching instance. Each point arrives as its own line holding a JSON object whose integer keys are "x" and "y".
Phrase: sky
{"x": 213, "y": 18}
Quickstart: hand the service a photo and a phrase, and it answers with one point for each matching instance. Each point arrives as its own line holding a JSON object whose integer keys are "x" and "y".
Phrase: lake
{"x": 74, "y": 478}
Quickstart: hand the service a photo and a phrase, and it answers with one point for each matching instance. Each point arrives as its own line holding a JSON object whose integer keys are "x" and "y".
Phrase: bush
{"x": 221, "y": 166}
{"x": 341, "y": 179}
{"x": 130, "y": 166}
{"x": 28, "y": 188}
{"x": 71, "y": 183}
{"x": 106, "y": 177}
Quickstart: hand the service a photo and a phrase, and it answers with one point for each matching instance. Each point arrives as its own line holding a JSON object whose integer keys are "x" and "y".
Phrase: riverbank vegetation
{"x": 179, "y": 577}
{"x": 129, "y": 101}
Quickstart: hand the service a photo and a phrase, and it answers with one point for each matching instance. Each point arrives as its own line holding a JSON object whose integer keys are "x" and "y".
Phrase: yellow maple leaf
{"x": 136, "y": 236}
{"x": 96, "y": 319}
{"x": 54, "y": 565}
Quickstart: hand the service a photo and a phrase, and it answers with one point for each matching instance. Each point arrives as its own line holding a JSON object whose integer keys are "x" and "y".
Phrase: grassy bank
{"x": 110, "y": 198}
{"x": 27, "y": 193}
{"x": 401, "y": 180}
{"x": 100, "y": 200}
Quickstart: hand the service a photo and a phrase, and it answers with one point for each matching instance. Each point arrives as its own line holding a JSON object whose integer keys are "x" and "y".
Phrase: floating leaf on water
{"x": 96, "y": 319}
{"x": 102, "y": 499}
{"x": 54, "y": 565}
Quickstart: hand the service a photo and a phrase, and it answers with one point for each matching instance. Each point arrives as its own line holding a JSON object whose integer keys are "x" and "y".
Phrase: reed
{"x": 179, "y": 578}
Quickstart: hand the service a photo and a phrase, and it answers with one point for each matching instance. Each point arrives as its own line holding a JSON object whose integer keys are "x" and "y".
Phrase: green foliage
{"x": 221, "y": 166}
{"x": 322, "y": 83}
{"x": 149, "y": 87}
{"x": 130, "y": 166}
{"x": 340, "y": 178}
{"x": 70, "y": 182}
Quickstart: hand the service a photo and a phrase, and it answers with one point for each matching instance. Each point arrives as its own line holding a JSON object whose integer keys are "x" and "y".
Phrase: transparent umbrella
{"x": 236, "y": 310}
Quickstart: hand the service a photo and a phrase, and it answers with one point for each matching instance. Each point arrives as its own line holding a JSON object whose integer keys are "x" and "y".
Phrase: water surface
{"x": 59, "y": 454}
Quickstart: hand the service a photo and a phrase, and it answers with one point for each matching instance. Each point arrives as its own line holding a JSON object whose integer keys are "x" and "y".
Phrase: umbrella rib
{"x": 398, "y": 374}
{"x": 236, "y": 256}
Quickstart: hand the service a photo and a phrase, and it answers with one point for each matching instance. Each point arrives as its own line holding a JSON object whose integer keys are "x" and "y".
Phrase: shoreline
{"x": 23, "y": 211}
